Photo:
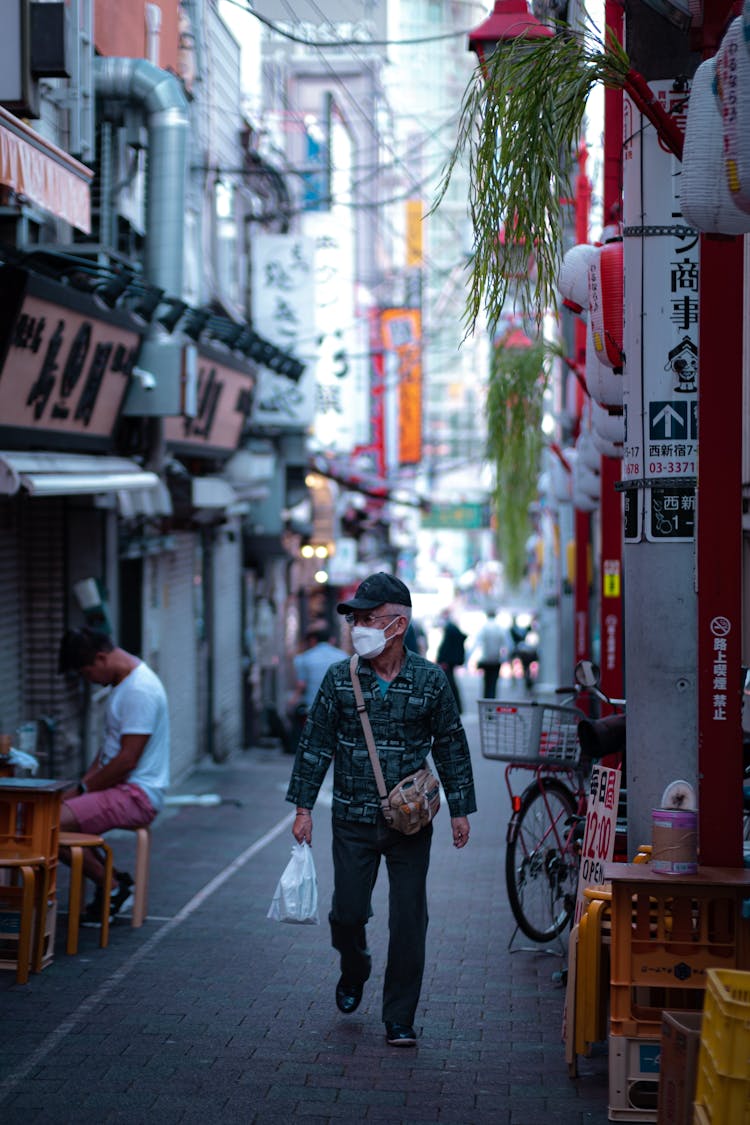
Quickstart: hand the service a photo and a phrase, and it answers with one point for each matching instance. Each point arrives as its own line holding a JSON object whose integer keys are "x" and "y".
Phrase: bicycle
{"x": 545, "y": 832}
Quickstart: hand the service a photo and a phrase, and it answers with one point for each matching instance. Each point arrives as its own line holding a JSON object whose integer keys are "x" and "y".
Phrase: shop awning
{"x": 47, "y": 175}
{"x": 377, "y": 488}
{"x": 144, "y": 503}
{"x": 70, "y": 474}
{"x": 216, "y": 494}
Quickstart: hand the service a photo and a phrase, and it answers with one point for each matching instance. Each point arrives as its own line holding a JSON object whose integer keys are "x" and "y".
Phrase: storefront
{"x": 65, "y": 364}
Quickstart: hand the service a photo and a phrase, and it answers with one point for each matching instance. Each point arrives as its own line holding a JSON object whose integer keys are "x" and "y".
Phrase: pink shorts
{"x": 122, "y": 806}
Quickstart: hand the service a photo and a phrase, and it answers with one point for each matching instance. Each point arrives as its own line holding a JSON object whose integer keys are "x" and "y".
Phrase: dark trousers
{"x": 357, "y": 851}
{"x": 491, "y": 672}
{"x": 450, "y": 675}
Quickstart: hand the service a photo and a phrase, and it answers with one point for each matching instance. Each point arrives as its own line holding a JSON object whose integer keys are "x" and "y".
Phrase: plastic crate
{"x": 678, "y": 1067}
{"x": 664, "y": 941}
{"x": 10, "y": 925}
{"x": 529, "y": 732}
{"x": 723, "y": 1085}
{"x": 722, "y": 1100}
{"x": 633, "y": 1078}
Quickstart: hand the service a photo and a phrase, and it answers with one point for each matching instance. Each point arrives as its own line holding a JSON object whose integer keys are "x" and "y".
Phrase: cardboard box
{"x": 680, "y": 1041}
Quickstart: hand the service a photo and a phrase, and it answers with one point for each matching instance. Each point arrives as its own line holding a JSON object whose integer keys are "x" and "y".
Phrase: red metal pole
{"x": 610, "y": 576}
{"x": 582, "y": 526}
{"x": 719, "y": 527}
{"x": 719, "y": 550}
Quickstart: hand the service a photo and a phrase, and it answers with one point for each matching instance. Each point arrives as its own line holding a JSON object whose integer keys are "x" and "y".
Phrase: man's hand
{"x": 302, "y": 827}
{"x": 460, "y": 829}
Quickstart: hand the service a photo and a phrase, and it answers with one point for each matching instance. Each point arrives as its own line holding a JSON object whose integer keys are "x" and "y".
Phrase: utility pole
{"x": 660, "y": 457}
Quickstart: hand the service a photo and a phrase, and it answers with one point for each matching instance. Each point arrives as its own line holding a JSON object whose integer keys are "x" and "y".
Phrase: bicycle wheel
{"x": 541, "y": 862}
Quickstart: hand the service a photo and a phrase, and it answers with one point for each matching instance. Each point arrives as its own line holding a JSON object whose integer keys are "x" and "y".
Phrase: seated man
{"x": 124, "y": 787}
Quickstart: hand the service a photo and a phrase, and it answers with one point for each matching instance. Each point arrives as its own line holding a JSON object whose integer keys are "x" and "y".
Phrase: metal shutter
{"x": 227, "y": 643}
{"x": 10, "y": 619}
{"x": 169, "y": 597}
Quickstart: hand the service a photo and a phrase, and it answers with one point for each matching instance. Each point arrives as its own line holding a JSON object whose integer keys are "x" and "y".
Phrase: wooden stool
{"x": 33, "y": 893}
{"x": 142, "y": 864}
{"x": 76, "y": 842}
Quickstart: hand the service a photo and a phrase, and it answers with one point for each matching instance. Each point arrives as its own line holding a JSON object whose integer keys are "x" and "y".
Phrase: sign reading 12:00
{"x": 599, "y": 836}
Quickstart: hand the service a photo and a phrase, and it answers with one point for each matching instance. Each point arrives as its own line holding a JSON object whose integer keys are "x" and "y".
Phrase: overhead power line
{"x": 335, "y": 43}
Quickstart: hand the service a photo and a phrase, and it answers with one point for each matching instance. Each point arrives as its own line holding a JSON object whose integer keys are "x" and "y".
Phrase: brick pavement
{"x": 212, "y": 1013}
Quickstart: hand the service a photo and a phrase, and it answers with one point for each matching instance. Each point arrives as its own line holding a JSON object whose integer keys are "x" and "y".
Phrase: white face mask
{"x": 367, "y": 641}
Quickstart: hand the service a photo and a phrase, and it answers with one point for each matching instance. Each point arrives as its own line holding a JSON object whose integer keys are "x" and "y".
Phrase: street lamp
{"x": 510, "y": 20}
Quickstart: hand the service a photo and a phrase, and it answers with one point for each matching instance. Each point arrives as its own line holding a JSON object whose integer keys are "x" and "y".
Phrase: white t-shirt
{"x": 138, "y": 705}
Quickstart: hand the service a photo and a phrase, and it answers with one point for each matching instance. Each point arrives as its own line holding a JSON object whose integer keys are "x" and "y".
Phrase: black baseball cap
{"x": 375, "y": 590}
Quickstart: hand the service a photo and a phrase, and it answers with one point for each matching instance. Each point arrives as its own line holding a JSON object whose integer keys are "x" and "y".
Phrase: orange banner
{"x": 414, "y": 212}
{"x": 402, "y": 334}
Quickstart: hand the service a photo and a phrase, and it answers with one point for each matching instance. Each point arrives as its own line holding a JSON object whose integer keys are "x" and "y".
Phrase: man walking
{"x": 490, "y": 644}
{"x": 125, "y": 785}
{"x": 309, "y": 668}
{"x": 412, "y": 712}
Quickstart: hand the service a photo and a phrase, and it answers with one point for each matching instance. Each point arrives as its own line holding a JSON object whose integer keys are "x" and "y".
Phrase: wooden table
{"x": 29, "y": 829}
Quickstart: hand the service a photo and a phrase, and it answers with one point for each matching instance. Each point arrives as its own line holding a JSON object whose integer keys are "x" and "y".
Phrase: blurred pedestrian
{"x": 310, "y": 666}
{"x": 489, "y": 643}
{"x": 451, "y": 654}
{"x": 416, "y": 638}
{"x": 524, "y": 646}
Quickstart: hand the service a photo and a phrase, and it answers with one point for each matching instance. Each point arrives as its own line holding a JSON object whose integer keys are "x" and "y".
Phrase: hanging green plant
{"x": 521, "y": 123}
{"x": 518, "y": 379}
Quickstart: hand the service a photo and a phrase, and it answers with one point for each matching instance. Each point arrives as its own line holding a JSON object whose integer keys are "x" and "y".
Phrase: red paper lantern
{"x": 605, "y": 304}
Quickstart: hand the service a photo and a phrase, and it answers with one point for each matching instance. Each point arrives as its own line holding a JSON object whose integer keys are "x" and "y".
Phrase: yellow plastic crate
{"x": 723, "y": 1086}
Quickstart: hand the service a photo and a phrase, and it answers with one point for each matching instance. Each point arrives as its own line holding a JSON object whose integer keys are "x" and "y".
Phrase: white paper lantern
{"x": 586, "y": 481}
{"x": 733, "y": 88}
{"x": 573, "y": 282}
{"x": 603, "y": 383}
{"x": 561, "y": 478}
{"x": 588, "y": 454}
{"x": 608, "y": 425}
{"x": 705, "y": 198}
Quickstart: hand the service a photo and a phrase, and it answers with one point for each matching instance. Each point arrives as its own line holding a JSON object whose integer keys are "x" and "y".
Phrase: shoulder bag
{"x": 416, "y": 799}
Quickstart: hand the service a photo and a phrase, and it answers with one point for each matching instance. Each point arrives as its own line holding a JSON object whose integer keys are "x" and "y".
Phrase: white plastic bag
{"x": 296, "y": 897}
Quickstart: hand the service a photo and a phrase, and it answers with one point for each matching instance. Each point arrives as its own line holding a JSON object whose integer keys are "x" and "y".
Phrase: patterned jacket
{"x": 416, "y": 716}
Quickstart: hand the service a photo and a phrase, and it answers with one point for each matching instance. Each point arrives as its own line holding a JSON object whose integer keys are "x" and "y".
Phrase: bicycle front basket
{"x": 528, "y": 732}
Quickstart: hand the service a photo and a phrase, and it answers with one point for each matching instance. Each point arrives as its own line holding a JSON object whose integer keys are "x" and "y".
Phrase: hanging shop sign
{"x": 402, "y": 339}
{"x": 662, "y": 267}
{"x": 221, "y": 401}
{"x": 341, "y": 407}
{"x": 283, "y": 288}
{"x": 65, "y": 363}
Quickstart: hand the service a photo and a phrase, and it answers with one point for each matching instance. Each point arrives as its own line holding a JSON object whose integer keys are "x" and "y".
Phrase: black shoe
{"x": 122, "y": 895}
{"x": 348, "y": 996}
{"x": 400, "y": 1035}
{"x": 92, "y": 915}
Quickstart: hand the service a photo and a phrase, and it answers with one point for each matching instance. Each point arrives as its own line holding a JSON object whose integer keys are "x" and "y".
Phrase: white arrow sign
{"x": 667, "y": 415}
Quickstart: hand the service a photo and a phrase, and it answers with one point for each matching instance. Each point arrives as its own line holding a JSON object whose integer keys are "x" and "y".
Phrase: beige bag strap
{"x": 364, "y": 718}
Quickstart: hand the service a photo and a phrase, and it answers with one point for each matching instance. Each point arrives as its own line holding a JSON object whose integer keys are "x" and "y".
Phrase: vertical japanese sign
{"x": 340, "y": 396}
{"x": 402, "y": 337}
{"x": 284, "y": 313}
{"x": 599, "y": 837}
{"x": 662, "y": 270}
